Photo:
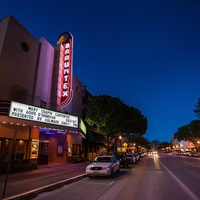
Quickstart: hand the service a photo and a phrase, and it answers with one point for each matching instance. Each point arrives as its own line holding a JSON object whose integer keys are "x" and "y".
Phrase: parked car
{"x": 195, "y": 154}
{"x": 121, "y": 157}
{"x": 186, "y": 153}
{"x": 105, "y": 165}
{"x": 142, "y": 154}
{"x": 131, "y": 158}
{"x": 137, "y": 157}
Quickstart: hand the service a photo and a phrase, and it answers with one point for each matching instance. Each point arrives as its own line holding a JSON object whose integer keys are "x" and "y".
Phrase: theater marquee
{"x": 32, "y": 113}
{"x": 65, "y": 68}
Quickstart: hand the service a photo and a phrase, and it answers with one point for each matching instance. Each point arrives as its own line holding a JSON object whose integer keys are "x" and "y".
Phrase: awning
{"x": 95, "y": 137}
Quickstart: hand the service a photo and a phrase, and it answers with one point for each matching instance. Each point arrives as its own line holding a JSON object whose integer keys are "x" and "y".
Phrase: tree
{"x": 137, "y": 122}
{"x": 197, "y": 109}
{"x": 112, "y": 117}
{"x": 164, "y": 145}
{"x": 189, "y": 132}
{"x": 183, "y": 133}
{"x": 138, "y": 140}
{"x": 154, "y": 144}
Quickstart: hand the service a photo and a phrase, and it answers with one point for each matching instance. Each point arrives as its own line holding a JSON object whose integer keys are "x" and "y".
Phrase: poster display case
{"x": 34, "y": 148}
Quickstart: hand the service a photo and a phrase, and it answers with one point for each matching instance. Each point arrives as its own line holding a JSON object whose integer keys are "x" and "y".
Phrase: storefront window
{"x": 76, "y": 149}
{"x": 19, "y": 149}
{"x": 5, "y": 149}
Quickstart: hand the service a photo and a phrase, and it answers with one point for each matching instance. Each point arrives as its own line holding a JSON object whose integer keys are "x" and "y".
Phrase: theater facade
{"x": 41, "y": 101}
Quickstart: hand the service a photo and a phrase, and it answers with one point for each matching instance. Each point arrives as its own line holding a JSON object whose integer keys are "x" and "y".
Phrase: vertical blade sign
{"x": 66, "y": 42}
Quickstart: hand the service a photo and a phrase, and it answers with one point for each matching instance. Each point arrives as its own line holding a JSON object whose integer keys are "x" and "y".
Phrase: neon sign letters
{"x": 66, "y": 42}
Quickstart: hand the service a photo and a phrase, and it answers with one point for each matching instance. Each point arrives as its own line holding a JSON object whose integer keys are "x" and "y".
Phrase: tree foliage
{"x": 164, "y": 145}
{"x": 139, "y": 140}
{"x": 112, "y": 117}
{"x": 189, "y": 132}
{"x": 155, "y": 143}
{"x": 197, "y": 109}
{"x": 137, "y": 122}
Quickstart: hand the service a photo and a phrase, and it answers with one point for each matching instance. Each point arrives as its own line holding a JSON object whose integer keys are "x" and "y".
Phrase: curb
{"x": 33, "y": 193}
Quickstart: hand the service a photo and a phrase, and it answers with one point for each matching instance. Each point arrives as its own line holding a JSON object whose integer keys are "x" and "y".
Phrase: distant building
{"x": 183, "y": 145}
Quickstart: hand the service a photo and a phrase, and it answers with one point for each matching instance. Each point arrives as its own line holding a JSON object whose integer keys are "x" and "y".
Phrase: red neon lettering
{"x": 66, "y": 79}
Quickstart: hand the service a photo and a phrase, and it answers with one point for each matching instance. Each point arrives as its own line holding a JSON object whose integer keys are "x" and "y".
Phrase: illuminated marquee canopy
{"x": 32, "y": 113}
{"x": 66, "y": 50}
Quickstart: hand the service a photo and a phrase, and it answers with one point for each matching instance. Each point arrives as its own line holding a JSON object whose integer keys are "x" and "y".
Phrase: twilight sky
{"x": 145, "y": 52}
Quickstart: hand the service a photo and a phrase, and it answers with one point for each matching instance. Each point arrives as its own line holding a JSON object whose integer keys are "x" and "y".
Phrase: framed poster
{"x": 34, "y": 148}
{"x": 60, "y": 149}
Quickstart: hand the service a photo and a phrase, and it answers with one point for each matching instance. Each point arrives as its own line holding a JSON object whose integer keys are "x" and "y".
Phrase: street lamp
{"x": 198, "y": 143}
{"x": 120, "y": 139}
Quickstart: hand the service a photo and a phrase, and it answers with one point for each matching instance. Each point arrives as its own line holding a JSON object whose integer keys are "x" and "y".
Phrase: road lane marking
{"x": 187, "y": 190}
{"x": 97, "y": 183}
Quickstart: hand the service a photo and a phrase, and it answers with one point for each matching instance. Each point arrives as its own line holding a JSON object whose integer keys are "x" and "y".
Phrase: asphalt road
{"x": 156, "y": 177}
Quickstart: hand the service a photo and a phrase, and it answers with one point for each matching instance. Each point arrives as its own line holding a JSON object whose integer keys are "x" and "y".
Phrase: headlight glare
{"x": 88, "y": 168}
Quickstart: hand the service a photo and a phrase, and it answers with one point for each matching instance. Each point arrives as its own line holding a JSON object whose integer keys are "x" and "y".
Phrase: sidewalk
{"x": 26, "y": 185}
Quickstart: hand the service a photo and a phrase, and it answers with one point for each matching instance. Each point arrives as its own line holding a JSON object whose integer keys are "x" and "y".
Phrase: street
{"x": 156, "y": 177}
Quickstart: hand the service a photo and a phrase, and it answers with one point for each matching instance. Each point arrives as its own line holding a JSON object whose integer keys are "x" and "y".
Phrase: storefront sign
{"x": 65, "y": 87}
{"x": 28, "y": 112}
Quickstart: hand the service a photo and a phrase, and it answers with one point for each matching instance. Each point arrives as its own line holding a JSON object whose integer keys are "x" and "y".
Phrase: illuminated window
{"x": 19, "y": 149}
{"x": 76, "y": 149}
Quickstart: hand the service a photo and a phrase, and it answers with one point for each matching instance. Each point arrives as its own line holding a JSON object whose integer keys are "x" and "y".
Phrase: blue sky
{"x": 145, "y": 52}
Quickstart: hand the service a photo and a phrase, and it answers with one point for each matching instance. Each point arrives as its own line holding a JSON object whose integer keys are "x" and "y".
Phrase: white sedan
{"x": 105, "y": 165}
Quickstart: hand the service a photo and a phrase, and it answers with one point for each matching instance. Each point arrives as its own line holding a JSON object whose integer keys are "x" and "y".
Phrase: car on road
{"x": 105, "y": 165}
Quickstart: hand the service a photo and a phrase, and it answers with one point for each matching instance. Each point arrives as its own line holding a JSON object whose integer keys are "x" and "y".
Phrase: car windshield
{"x": 103, "y": 159}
